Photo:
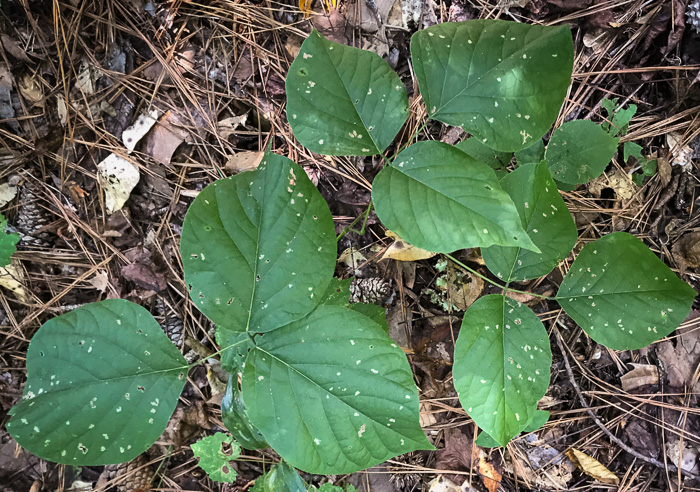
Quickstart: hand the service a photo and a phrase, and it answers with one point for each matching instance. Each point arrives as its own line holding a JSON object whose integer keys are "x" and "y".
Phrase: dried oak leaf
{"x": 592, "y": 467}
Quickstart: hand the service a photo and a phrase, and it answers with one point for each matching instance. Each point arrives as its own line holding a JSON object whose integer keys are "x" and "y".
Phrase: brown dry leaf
{"x": 163, "y": 141}
{"x": 293, "y": 45}
{"x": 12, "y": 278}
{"x": 488, "y": 474}
{"x": 243, "y": 161}
{"x": 681, "y": 360}
{"x": 592, "y": 467}
{"x": 118, "y": 177}
{"x": 13, "y": 48}
{"x": 619, "y": 181}
{"x": 144, "y": 277}
{"x": 641, "y": 375}
{"x": 664, "y": 171}
{"x": 402, "y": 251}
{"x": 426, "y": 415}
{"x": 31, "y": 90}
{"x": 227, "y": 126}
{"x": 463, "y": 287}
{"x": 332, "y": 26}
{"x": 686, "y": 251}
{"x": 132, "y": 135}
{"x": 100, "y": 281}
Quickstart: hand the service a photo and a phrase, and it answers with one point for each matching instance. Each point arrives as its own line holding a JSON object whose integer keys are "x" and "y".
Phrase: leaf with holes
{"x": 102, "y": 383}
{"x": 214, "y": 460}
{"x": 501, "y": 365}
{"x": 332, "y": 393}
{"x": 258, "y": 249}
{"x": 343, "y": 100}
{"x": 546, "y": 219}
{"x": 502, "y": 81}
{"x": 440, "y": 199}
{"x": 579, "y": 151}
{"x": 539, "y": 418}
{"x": 622, "y": 295}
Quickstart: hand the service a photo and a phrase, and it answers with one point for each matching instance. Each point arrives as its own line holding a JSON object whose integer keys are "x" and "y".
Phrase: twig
{"x": 605, "y": 430}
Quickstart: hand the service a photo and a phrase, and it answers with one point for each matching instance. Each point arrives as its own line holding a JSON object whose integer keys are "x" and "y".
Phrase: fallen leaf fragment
{"x": 592, "y": 467}
{"x": 132, "y": 135}
{"x": 641, "y": 375}
{"x": 228, "y": 126}
{"x": 442, "y": 484}
{"x": 7, "y": 193}
{"x": 13, "y": 48}
{"x": 12, "y": 278}
{"x": 686, "y": 251}
{"x": 100, "y": 281}
{"x": 488, "y": 474}
{"x": 31, "y": 90}
{"x": 243, "y": 161}
{"x": 402, "y": 251}
{"x": 162, "y": 142}
{"x": 118, "y": 177}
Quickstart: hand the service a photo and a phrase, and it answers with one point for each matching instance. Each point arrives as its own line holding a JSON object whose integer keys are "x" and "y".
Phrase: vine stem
{"x": 601, "y": 425}
{"x": 505, "y": 288}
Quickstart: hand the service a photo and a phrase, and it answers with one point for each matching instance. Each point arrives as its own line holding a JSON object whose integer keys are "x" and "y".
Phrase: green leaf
{"x": 546, "y": 219}
{"x": 539, "y": 418}
{"x": 282, "y": 478}
{"x": 504, "y": 82}
{"x": 501, "y": 366}
{"x": 236, "y": 420}
{"x": 631, "y": 149}
{"x": 343, "y": 100}
{"x": 498, "y": 161}
{"x": 332, "y": 393}
{"x": 622, "y": 295}
{"x": 440, "y": 199}
{"x": 102, "y": 383}
{"x": 213, "y": 459}
{"x": 532, "y": 154}
{"x": 258, "y": 249}
{"x": 619, "y": 117}
{"x": 329, "y": 487}
{"x": 579, "y": 151}
{"x": 8, "y": 243}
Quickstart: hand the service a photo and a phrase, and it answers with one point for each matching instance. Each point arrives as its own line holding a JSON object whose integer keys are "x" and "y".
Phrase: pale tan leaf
{"x": 592, "y": 467}
{"x": 7, "y": 193}
{"x": 118, "y": 177}
{"x": 228, "y": 126}
{"x": 12, "y": 278}
{"x": 402, "y": 251}
{"x": 641, "y": 375}
{"x": 442, "y": 484}
{"x": 100, "y": 281}
{"x": 132, "y": 135}
{"x": 243, "y": 161}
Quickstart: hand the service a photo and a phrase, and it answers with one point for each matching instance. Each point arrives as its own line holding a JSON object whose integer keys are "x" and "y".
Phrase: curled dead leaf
{"x": 592, "y": 467}
{"x": 12, "y": 278}
{"x": 487, "y": 472}
{"x": 402, "y": 251}
{"x": 641, "y": 375}
{"x": 243, "y": 161}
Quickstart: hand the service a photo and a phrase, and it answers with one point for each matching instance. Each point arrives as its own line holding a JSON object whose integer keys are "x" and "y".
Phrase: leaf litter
{"x": 66, "y": 140}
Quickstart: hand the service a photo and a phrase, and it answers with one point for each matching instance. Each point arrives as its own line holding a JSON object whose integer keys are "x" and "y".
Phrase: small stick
{"x": 613, "y": 438}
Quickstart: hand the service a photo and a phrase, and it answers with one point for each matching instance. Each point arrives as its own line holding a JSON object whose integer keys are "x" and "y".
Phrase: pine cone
{"x": 172, "y": 324}
{"x": 128, "y": 477}
{"x": 693, "y": 14}
{"x": 31, "y": 217}
{"x": 369, "y": 290}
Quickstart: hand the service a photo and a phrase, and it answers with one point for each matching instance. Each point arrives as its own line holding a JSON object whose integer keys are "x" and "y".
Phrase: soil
{"x": 75, "y": 75}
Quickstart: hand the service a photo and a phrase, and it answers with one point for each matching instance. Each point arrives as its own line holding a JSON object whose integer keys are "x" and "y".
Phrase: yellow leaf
{"x": 402, "y": 251}
{"x": 592, "y": 467}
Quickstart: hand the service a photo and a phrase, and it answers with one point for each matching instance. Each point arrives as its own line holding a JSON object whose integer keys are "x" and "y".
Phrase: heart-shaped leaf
{"x": 332, "y": 393}
{"x": 258, "y": 249}
{"x": 343, "y": 100}
{"x": 213, "y": 459}
{"x": 501, "y": 365}
{"x": 546, "y": 219}
{"x": 440, "y": 199}
{"x": 622, "y": 295}
{"x": 501, "y": 81}
{"x": 102, "y": 383}
{"x": 579, "y": 151}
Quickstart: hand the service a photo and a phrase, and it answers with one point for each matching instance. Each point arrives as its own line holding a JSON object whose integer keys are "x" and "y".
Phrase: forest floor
{"x": 74, "y": 75}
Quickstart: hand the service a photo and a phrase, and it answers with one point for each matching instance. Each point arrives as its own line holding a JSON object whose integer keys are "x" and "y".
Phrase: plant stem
{"x": 505, "y": 288}
{"x": 349, "y": 227}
